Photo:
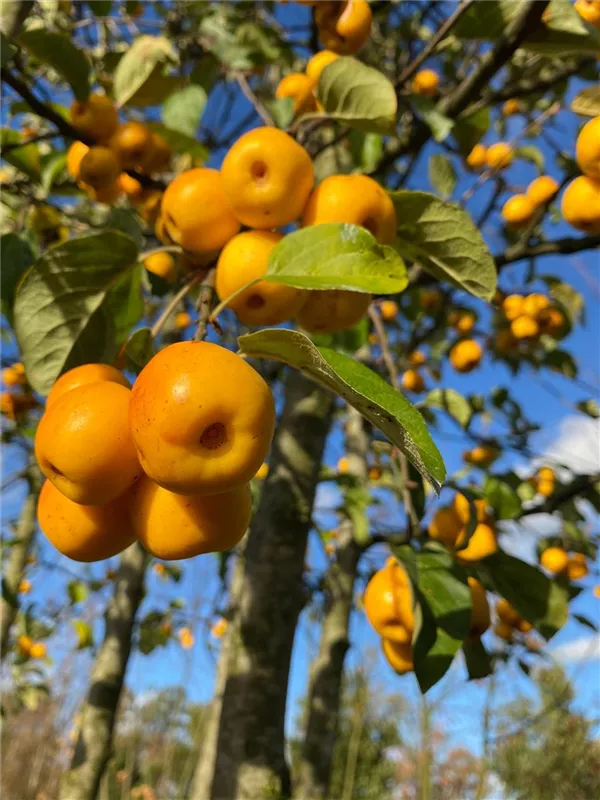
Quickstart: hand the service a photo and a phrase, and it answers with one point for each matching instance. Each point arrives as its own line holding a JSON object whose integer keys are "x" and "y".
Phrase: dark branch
{"x": 531, "y": 86}
{"x": 442, "y": 32}
{"x": 557, "y": 247}
{"x": 473, "y": 85}
{"x": 64, "y": 128}
{"x": 577, "y": 486}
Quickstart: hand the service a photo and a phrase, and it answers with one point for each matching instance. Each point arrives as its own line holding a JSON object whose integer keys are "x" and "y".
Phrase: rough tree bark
{"x": 249, "y": 762}
{"x": 203, "y": 775}
{"x": 325, "y": 687}
{"x": 93, "y": 747}
{"x": 15, "y": 567}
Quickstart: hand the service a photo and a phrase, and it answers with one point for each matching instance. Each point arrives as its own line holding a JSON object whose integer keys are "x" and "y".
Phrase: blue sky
{"x": 563, "y": 431}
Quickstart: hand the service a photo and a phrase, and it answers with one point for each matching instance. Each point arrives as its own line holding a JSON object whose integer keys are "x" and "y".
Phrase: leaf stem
{"x": 388, "y": 360}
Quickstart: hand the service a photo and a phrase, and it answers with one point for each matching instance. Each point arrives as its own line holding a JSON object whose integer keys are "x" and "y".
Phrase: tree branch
{"x": 530, "y": 86}
{"x": 577, "y": 486}
{"x": 472, "y": 86}
{"x": 564, "y": 246}
{"x": 64, "y": 128}
{"x": 442, "y": 32}
{"x": 249, "y": 94}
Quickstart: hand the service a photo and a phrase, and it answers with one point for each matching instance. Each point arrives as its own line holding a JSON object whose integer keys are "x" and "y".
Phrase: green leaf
{"x": 358, "y": 95}
{"x": 587, "y": 102}
{"x": 336, "y": 256}
{"x": 470, "y": 129}
{"x": 182, "y": 111}
{"x": 138, "y": 64}
{"x": 152, "y": 632}
{"x": 52, "y": 166}
{"x": 127, "y": 221}
{"x": 542, "y": 602}
{"x": 156, "y": 90}
{"x": 139, "y": 350}
{"x": 8, "y": 595}
{"x": 101, "y": 8}
{"x": 562, "y": 362}
{"x": 366, "y": 149}
{"x": 68, "y": 305}
{"x": 477, "y": 658}
{"x": 26, "y": 158}
{"x": 361, "y": 388}
{"x": 58, "y": 50}
{"x": 529, "y": 152}
{"x": 206, "y": 72}
{"x": 16, "y": 257}
{"x": 180, "y": 142}
{"x": 439, "y": 124}
{"x": 443, "y": 597}
{"x": 563, "y": 30}
{"x": 585, "y": 621}
{"x": 589, "y": 407}
{"x": 444, "y": 240}
{"x": 356, "y": 502}
{"x": 346, "y": 341}
{"x": 85, "y": 636}
{"x": 502, "y": 498}
{"x": 21, "y": 107}
{"x": 12, "y": 15}
{"x": 442, "y": 175}
{"x": 282, "y": 111}
{"x": 6, "y": 50}
{"x": 451, "y": 401}
{"x": 571, "y": 301}
{"x": 77, "y": 591}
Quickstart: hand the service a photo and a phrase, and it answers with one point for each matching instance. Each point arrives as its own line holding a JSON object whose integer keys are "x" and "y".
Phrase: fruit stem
{"x": 203, "y": 306}
{"x": 172, "y": 305}
{"x": 169, "y": 248}
{"x": 223, "y": 305}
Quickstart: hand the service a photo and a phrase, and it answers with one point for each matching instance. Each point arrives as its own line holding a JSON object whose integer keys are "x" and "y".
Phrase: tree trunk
{"x": 205, "y": 767}
{"x": 358, "y": 723}
{"x": 325, "y": 688}
{"x": 99, "y": 710}
{"x": 424, "y": 765}
{"x": 250, "y": 763}
{"x": 17, "y": 561}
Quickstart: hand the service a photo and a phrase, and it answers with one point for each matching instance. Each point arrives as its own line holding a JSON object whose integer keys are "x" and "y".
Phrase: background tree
{"x": 546, "y": 749}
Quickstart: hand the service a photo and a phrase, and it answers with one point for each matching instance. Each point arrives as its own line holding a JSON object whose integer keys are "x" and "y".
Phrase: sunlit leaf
{"x": 362, "y": 388}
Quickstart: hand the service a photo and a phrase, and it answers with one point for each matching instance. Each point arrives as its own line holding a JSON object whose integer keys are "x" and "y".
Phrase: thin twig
{"x": 249, "y": 94}
{"x": 204, "y": 305}
{"x": 172, "y": 305}
{"x": 549, "y": 112}
{"x": 42, "y": 137}
{"x": 413, "y": 520}
{"x": 417, "y": 135}
{"x": 433, "y": 43}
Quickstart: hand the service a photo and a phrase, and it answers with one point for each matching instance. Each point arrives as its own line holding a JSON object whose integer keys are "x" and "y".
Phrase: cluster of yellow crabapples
{"x": 388, "y": 605}
{"x": 388, "y": 601}
{"x": 580, "y": 204}
{"x": 167, "y": 462}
